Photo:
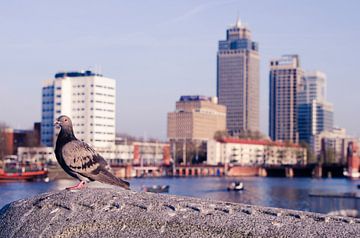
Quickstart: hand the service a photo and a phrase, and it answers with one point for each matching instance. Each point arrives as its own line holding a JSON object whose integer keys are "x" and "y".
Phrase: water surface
{"x": 292, "y": 193}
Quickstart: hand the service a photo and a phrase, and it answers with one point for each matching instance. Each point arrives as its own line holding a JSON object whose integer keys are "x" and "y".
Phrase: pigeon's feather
{"x": 103, "y": 175}
{"x": 81, "y": 158}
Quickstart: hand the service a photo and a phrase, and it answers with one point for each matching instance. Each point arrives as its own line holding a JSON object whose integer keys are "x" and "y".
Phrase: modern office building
{"x": 238, "y": 79}
{"x": 285, "y": 80}
{"x": 196, "y": 117}
{"x": 88, "y": 99}
{"x": 315, "y": 114}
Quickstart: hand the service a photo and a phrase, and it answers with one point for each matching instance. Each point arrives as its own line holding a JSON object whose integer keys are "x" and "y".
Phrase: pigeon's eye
{"x": 65, "y": 119}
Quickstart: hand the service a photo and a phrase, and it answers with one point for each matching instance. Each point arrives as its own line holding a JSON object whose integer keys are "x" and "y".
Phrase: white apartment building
{"x": 118, "y": 154}
{"x": 137, "y": 153}
{"x": 88, "y": 99}
{"x": 36, "y": 154}
{"x": 254, "y": 152}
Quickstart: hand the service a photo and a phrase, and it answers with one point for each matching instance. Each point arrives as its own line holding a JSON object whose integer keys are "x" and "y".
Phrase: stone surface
{"x": 106, "y": 212}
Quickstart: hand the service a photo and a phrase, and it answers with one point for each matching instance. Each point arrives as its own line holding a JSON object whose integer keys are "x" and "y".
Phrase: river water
{"x": 292, "y": 193}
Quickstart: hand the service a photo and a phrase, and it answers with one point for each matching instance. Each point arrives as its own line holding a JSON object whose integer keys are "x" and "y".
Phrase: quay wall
{"x": 111, "y": 212}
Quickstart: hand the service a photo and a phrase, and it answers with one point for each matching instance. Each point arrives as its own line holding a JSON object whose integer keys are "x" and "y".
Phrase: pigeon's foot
{"x": 78, "y": 186}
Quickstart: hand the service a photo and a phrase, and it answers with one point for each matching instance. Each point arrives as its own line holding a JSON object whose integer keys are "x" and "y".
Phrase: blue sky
{"x": 159, "y": 50}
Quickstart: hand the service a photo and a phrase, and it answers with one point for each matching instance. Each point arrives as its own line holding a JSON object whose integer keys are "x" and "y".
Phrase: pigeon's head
{"x": 63, "y": 122}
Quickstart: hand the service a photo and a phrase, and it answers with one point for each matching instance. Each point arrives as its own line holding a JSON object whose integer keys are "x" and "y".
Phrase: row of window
{"x": 48, "y": 95}
{"x": 104, "y": 110}
{"x": 110, "y": 103}
{"x": 100, "y": 86}
{"x": 104, "y": 94}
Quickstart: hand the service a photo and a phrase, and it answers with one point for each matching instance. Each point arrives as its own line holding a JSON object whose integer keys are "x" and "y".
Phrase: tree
{"x": 219, "y": 135}
{"x": 252, "y": 135}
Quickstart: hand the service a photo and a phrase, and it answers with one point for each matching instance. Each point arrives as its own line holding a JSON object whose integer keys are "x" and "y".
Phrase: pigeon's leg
{"x": 78, "y": 186}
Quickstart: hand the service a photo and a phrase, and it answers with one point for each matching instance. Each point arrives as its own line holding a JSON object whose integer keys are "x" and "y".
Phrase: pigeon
{"x": 81, "y": 161}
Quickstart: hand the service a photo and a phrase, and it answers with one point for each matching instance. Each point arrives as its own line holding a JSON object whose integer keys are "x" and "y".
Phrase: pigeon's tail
{"x": 107, "y": 177}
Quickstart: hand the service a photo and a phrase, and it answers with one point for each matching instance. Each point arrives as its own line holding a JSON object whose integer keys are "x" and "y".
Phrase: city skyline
{"x": 155, "y": 58}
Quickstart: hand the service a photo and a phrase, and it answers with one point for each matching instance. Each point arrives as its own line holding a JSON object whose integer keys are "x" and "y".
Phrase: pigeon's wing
{"x": 83, "y": 159}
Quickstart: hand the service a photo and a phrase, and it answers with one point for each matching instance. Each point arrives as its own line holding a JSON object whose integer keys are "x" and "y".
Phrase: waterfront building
{"x": 37, "y": 154}
{"x": 315, "y": 114}
{"x": 245, "y": 152}
{"x": 196, "y": 118}
{"x": 137, "y": 153}
{"x": 238, "y": 79}
{"x": 285, "y": 80}
{"x": 331, "y": 146}
{"x": 88, "y": 99}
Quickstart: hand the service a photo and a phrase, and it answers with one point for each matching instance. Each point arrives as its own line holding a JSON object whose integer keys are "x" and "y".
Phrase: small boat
{"x": 15, "y": 170}
{"x": 157, "y": 189}
{"x": 235, "y": 186}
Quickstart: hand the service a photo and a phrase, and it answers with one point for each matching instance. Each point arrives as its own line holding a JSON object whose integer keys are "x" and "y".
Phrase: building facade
{"x": 137, "y": 153}
{"x": 331, "y": 146}
{"x": 196, "y": 117}
{"x": 238, "y": 79}
{"x": 37, "y": 154}
{"x": 285, "y": 81}
{"x": 88, "y": 99}
{"x": 315, "y": 114}
{"x": 254, "y": 153}
{"x": 47, "y": 113}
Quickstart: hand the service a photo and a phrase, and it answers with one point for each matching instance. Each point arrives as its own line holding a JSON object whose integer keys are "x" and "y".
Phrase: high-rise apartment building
{"x": 88, "y": 99}
{"x": 196, "y": 117}
{"x": 315, "y": 114}
{"x": 238, "y": 79}
{"x": 285, "y": 80}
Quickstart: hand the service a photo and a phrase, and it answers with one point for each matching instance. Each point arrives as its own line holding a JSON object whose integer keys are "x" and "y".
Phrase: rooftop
{"x": 194, "y": 98}
{"x": 73, "y": 74}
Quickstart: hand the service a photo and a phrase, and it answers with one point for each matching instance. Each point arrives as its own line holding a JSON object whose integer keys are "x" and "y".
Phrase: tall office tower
{"x": 196, "y": 117}
{"x": 88, "y": 99}
{"x": 285, "y": 78}
{"x": 238, "y": 79}
{"x": 315, "y": 114}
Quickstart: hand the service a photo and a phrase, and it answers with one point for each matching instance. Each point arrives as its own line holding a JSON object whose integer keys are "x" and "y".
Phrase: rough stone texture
{"x": 100, "y": 212}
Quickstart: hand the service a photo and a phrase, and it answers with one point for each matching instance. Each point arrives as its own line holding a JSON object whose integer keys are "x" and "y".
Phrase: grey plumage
{"x": 81, "y": 161}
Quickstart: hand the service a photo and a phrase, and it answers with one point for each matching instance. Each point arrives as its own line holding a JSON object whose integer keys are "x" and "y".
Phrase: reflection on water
{"x": 272, "y": 192}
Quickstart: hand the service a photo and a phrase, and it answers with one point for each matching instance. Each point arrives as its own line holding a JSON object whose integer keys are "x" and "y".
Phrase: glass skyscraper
{"x": 315, "y": 114}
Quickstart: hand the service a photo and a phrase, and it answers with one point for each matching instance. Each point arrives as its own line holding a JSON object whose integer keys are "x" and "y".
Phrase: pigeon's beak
{"x": 57, "y": 124}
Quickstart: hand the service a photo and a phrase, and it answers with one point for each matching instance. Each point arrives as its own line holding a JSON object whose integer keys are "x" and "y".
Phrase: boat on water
{"x": 157, "y": 189}
{"x": 352, "y": 174}
{"x": 12, "y": 170}
{"x": 235, "y": 186}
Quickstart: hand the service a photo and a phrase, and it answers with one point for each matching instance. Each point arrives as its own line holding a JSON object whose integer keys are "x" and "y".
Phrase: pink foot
{"x": 77, "y": 187}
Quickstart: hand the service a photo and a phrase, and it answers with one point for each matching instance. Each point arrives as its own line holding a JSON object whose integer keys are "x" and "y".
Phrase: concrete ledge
{"x": 104, "y": 212}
